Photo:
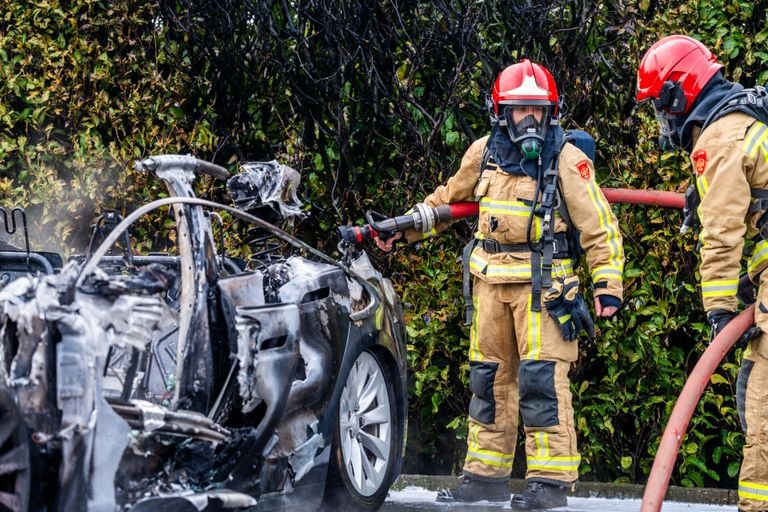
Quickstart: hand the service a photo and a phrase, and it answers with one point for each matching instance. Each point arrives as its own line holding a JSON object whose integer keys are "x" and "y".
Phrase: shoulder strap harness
{"x": 546, "y": 248}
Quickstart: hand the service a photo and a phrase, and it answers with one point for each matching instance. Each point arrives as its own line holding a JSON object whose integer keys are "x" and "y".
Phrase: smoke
{"x": 63, "y": 198}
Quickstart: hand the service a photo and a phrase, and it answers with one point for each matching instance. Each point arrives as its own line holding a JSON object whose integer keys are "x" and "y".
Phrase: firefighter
{"x": 539, "y": 206}
{"x": 722, "y": 126}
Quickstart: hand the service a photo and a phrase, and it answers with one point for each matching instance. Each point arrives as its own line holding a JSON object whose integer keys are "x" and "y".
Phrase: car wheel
{"x": 365, "y": 452}
{"x": 14, "y": 456}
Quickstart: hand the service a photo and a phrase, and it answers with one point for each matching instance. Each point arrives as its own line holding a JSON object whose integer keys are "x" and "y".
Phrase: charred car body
{"x": 198, "y": 381}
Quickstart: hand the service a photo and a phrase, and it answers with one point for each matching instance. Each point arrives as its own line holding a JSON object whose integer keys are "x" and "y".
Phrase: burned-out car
{"x": 194, "y": 381}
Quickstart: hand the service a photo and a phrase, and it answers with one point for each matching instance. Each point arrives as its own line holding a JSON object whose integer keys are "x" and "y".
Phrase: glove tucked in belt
{"x": 565, "y": 304}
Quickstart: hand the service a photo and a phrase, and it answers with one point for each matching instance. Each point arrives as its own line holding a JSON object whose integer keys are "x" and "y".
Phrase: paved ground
{"x": 417, "y": 493}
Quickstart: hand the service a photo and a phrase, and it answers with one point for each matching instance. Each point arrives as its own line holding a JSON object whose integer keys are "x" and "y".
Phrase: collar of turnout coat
{"x": 718, "y": 90}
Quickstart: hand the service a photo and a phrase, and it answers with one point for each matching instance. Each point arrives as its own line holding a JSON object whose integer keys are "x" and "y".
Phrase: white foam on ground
{"x": 413, "y": 494}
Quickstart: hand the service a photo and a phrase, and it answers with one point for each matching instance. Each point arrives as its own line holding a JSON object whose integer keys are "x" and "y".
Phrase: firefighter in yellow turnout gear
{"x": 526, "y": 310}
{"x": 723, "y": 128}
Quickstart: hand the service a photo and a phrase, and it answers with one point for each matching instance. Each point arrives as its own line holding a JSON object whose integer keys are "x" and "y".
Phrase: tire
{"x": 14, "y": 456}
{"x": 365, "y": 453}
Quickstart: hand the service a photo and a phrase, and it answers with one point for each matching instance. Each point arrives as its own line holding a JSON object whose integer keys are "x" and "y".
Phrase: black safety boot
{"x": 540, "y": 496}
{"x": 476, "y": 488}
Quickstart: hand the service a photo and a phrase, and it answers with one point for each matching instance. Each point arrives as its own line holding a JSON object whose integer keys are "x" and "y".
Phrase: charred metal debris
{"x": 186, "y": 382}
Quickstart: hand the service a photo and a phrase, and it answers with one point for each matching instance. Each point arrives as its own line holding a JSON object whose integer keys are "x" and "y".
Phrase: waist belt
{"x": 494, "y": 247}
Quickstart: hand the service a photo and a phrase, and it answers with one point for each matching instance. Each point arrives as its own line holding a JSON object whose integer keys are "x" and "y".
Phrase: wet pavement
{"x": 420, "y": 499}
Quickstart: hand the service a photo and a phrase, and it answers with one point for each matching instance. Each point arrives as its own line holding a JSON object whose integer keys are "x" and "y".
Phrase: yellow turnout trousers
{"x": 752, "y": 400}
{"x": 519, "y": 366}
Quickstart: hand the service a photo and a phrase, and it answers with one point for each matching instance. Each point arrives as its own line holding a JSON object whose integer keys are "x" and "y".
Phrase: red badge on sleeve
{"x": 583, "y": 168}
{"x": 700, "y": 161}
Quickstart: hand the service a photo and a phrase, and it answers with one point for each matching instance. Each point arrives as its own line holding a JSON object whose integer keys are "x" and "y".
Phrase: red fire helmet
{"x": 675, "y": 70}
{"x": 524, "y": 83}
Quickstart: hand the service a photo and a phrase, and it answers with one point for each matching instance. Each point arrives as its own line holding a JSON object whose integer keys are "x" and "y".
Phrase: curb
{"x": 587, "y": 489}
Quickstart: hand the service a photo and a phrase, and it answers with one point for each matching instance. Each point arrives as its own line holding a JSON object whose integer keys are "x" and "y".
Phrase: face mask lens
{"x": 667, "y": 134}
{"x": 525, "y": 120}
{"x": 663, "y": 120}
{"x": 527, "y": 127}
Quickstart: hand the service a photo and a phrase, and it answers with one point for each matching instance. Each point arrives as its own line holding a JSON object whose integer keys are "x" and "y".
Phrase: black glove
{"x": 719, "y": 318}
{"x": 569, "y": 310}
{"x": 386, "y": 235}
{"x": 747, "y": 290}
{"x": 609, "y": 301}
{"x": 386, "y": 241}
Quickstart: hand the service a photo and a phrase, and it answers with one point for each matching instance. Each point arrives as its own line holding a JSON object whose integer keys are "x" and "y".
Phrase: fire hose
{"x": 664, "y": 462}
{"x": 424, "y": 218}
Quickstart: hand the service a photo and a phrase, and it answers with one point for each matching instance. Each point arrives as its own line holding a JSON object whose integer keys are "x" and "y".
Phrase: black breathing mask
{"x": 668, "y": 107}
{"x": 668, "y": 137}
{"x": 528, "y": 133}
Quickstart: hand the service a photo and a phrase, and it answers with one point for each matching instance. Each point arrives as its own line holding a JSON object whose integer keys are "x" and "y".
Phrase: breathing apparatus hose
{"x": 664, "y": 463}
{"x": 534, "y": 247}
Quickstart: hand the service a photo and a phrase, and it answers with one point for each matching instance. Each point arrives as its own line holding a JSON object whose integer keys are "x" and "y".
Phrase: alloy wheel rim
{"x": 365, "y": 422}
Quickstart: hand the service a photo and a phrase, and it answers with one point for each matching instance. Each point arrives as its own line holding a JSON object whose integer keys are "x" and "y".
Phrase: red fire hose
{"x": 658, "y": 480}
{"x": 647, "y": 197}
{"x": 613, "y": 195}
{"x": 454, "y": 211}
{"x": 664, "y": 462}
